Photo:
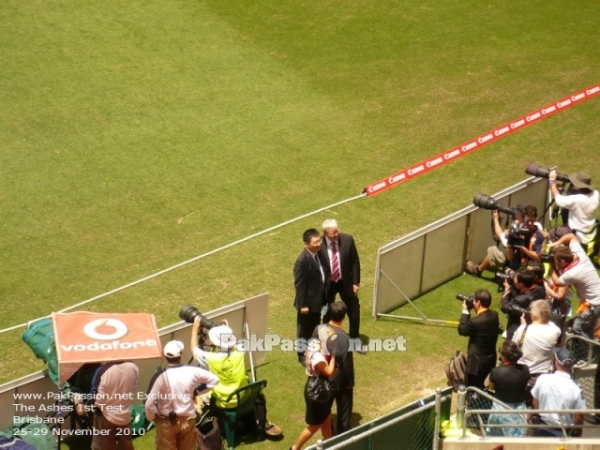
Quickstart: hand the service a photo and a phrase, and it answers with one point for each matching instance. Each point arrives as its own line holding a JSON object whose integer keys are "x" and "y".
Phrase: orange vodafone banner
{"x": 85, "y": 337}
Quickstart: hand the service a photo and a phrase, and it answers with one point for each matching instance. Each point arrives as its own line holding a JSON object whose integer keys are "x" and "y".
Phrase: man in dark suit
{"x": 341, "y": 257}
{"x": 311, "y": 276}
{"x": 482, "y": 331}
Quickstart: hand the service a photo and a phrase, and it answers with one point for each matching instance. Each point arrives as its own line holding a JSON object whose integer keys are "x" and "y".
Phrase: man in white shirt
{"x": 558, "y": 391}
{"x": 170, "y": 401}
{"x": 582, "y": 203}
{"x": 537, "y": 339}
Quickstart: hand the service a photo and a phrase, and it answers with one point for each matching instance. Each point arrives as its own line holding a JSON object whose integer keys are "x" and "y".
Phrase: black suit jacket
{"x": 308, "y": 281}
{"x": 482, "y": 331}
{"x": 350, "y": 262}
{"x": 515, "y": 298}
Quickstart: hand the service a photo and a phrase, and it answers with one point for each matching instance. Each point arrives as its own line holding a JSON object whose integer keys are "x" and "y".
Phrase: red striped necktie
{"x": 335, "y": 264}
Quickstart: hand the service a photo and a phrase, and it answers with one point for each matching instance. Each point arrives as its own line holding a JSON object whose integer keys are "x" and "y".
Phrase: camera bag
{"x": 456, "y": 370}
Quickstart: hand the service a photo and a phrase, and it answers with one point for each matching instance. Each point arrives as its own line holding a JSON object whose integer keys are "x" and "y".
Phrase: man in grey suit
{"x": 338, "y": 250}
{"x": 311, "y": 276}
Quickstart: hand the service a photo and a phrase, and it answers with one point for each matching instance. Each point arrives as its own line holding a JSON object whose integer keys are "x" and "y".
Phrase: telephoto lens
{"x": 486, "y": 202}
{"x": 541, "y": 172}
{"x": 188, "y": 314}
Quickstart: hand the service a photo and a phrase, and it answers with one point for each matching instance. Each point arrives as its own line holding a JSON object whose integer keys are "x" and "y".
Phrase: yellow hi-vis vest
{"x": 231, "y": 370}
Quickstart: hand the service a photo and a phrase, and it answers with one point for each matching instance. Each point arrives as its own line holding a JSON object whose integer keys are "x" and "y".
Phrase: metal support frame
{"x": 423, "y": 318}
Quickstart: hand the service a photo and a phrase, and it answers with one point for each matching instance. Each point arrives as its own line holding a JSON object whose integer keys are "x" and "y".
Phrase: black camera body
{"x": 520, "y": 310}
{"x": 500, "y": 277}
{"x": 188, "y": 313}
{"x": 517, "y": 235}
{"x": 466, "y": 298}
{"x": 547, "y": 257}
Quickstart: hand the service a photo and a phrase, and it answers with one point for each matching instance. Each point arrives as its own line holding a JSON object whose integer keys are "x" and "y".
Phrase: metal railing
{"x": 463, "y": 413}
{"x": 383, "y": 436}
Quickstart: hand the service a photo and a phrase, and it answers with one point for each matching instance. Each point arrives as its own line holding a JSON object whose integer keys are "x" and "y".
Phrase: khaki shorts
{"x": 496, "y": 256}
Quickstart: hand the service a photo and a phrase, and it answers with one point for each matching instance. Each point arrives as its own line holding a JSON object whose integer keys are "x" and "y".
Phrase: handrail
{"x": 593, "y": 343}
{"x": 562, "y": 425}
{"x": 463, "y": 414}
{"x": 374, "y": 429}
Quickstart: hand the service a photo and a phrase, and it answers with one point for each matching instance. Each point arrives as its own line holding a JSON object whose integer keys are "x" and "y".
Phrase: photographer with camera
{"x": 520, "y": 243}
{"x": 581, "y": 201}
{"x": 537, "y": 340}
{"x": 526, "y": 241}
{"x": 170, "y": 400}
{"x": 573, "y": 266}
{"x": 482, "y": 331}
{"x": 518, "y": 294}
{"x": 227, "y": 362}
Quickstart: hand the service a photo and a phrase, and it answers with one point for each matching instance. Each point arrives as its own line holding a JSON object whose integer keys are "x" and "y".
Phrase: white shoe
{"x": 580, "y": 364}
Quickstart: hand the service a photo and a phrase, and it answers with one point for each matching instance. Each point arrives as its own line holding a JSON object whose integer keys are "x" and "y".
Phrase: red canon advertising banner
{"x": 478, "y": 142}
{"x": 85, "y": 337}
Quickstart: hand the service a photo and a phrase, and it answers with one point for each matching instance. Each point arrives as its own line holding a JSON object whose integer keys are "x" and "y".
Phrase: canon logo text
{"x": 466, "y": 148}
{"x": 452, "y": 154}
{"x": 416, "y": 170}
{"x": 395, "y": 178}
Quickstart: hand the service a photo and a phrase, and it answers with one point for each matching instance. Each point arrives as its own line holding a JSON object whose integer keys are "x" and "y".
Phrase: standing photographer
{"x": 482, "y": 331}
{"x": 581, "y": 201}
{"x": 170, "y": 400}
{"x": 517, "y": 297}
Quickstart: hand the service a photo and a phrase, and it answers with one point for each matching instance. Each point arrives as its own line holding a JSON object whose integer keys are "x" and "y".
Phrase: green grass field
{"x": 138, "y": 134}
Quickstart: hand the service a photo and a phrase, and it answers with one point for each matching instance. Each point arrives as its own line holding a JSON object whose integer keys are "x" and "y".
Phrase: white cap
{"x": 173, "y": 349}
{"x": 222, "y": 336}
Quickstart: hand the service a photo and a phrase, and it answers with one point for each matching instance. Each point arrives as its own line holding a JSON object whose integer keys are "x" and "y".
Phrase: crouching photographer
{"x": 482, "y": 331}
{"x": 526, "y": 241}
{"x": 521, "y": 242}
{"x": 518, "y": 294}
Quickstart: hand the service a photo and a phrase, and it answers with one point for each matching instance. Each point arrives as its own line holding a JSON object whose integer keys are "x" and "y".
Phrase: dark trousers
{"x": 306, "y": 324}
{"x": 477, "y": 381}
{"x": 352, "y": 303}
{"x": 343, "y": 404}
{"x": 597, "y": 388}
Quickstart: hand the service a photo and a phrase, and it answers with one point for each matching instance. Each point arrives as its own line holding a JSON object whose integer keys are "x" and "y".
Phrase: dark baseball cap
{"x": 564, "y": 356}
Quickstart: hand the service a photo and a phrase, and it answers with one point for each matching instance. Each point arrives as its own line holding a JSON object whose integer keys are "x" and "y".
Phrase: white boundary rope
{"x": 189, "y": 261}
